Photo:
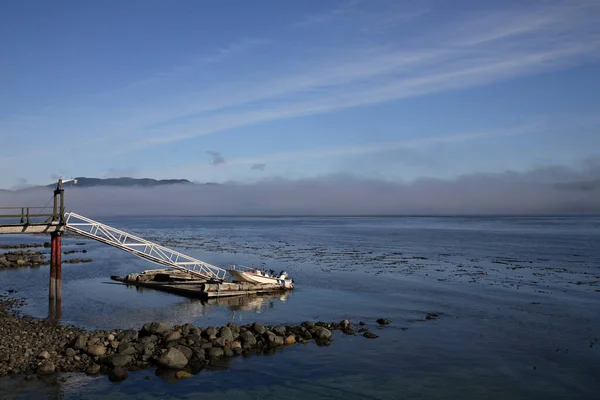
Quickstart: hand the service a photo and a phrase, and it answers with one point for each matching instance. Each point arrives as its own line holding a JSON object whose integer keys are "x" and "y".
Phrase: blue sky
{"x": 245, "y": 91}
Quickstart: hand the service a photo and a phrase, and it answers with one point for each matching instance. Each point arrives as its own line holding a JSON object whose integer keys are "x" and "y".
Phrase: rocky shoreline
{"x": 31, "y": 258}
{"x": 33, "y": 347}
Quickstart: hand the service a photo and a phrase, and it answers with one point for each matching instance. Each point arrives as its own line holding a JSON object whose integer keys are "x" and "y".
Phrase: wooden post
{"x": 53, "y": 251}
{"x": 55, "y": 207}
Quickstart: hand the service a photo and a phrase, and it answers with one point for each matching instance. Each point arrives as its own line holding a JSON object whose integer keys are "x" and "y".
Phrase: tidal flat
{"x": 480, "y": 307}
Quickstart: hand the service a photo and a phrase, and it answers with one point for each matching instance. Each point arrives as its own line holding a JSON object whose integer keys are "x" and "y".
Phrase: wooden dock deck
{"x": 182, "y": 284}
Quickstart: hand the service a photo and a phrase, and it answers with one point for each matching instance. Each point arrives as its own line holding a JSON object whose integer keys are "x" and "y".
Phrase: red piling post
{"x": 58, "y": 272}
{"x": 53, "y": 265}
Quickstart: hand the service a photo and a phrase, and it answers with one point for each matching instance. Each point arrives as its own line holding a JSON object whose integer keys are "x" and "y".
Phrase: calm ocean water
{"x": 518, "y": 297}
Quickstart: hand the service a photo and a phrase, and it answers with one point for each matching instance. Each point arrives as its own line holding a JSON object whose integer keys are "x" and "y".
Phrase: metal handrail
{"x": 141, "y": 247}
{"x": 25, "y": 215}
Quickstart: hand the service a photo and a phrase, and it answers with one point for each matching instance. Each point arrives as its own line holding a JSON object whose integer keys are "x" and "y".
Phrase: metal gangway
{"x": 141, "y": 247}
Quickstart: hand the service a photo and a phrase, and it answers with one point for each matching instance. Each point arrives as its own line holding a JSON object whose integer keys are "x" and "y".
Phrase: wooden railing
{"x": 29, "y": 215}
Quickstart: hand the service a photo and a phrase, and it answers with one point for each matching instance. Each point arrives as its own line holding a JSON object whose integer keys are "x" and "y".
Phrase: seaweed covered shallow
{"x": 512, "y": 332}
{"x": 33, "y": 346}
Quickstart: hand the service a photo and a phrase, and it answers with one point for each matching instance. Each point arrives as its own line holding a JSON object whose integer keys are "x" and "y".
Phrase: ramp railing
{"x": 141, "y": 247}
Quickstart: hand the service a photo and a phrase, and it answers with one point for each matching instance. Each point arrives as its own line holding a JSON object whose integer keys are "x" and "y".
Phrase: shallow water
{"x": 518, "y": 298}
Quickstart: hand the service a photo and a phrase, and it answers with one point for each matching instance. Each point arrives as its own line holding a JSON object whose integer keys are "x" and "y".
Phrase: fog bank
{"x": 536, "y": 192}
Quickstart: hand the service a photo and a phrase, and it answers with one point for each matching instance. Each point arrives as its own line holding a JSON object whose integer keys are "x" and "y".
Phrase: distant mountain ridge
{"x": 123, "y": 182}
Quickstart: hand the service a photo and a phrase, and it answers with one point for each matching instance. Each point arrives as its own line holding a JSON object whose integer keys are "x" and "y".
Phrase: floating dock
{"x": 184, "y": 284}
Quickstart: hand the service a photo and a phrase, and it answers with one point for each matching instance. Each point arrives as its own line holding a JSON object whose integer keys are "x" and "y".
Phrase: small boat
{"x": 256, "y": 276}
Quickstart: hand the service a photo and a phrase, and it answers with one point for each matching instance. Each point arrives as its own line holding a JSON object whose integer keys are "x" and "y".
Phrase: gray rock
{"x": 187, "y": 352}
{"x": 126, "y": 349}
{"x": 383, "y": 321}
{"x": 248, "y": 338}
{"x": 211, "y": 331}
{"x": 44, "y": 355}
{"x": 189, "y": 329}
{"x": 193, "y": 337}
{"x": 280, "y": 330}
{"x": 128, "y": 336}
{"x": 70, "y": 352}
{"x": 235, "y": 328}
{"x": 93, "y": 369}
{"x": 172, "y": 358}
{"x": 117, "y": 360}
{"x": 46, "y": 368}
{"x": 148, "y": 339}
{"x": 175, "y": 335}
{"x": 274, "y": 340}
{"x": 226, "y": 333}
{"x": 370, "y": 335}
{"x": 80, "y": 342}
{"x": 323, "y": 334}
{"x": 258, "y": 328}
{"x": 215, "y": 352}
{"x": 96, "y": 350}
{"x": 227, "y": 352}
{"x": 157, "y": 328}
{"x": 117, "y": 374}
{"x": 308, "y": 324}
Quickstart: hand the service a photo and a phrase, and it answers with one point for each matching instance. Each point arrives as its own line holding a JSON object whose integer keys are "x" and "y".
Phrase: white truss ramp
{"x": 141, "y": 247}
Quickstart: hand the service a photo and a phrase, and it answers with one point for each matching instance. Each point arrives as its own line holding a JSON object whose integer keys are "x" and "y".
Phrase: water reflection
{"x": 253, "y": 303}
{"x": 54, "y": 311}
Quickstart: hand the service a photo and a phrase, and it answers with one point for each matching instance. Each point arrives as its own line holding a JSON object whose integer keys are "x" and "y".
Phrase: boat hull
{"x": 246, "y": 276}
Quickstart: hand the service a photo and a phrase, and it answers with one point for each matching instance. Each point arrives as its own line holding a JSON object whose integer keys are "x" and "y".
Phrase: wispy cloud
{"x": 465, "y": 54}
{"x": 474, "y": 48}
{"x": 216, "y": 158}
{"x": 258, "y": 167}
{"x": 341, "y": 151}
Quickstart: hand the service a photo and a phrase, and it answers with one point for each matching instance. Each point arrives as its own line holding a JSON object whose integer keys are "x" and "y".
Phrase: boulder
{"x": 128, "y": 335}
{"x": 157, "y": 328}
{"x": 186, "y": 351}
{"x": 280, "y": 330}
{"x": 248, "y": 338}
{"x": 117, "y": 374}
{"x": 93, "y": 369}
{"x": 172, "y": 358}
{"x": 175, "y": 335}
{"x": 258, "y": 328}
{"x": 96, "y": 350}
{"x": 130, "y": 348}
{"x": 117, "y": 360}
{"x": 323, "y": 334}
{"x": 383, "y": 321}
{"x": 211, "y": 332}
{"x": 290, "y": 340}
{"x": 226, "y": 333}
{"x": 46, "y": 368}
{"x": 80, "y": 342}
{"x": 215, "y": 352}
